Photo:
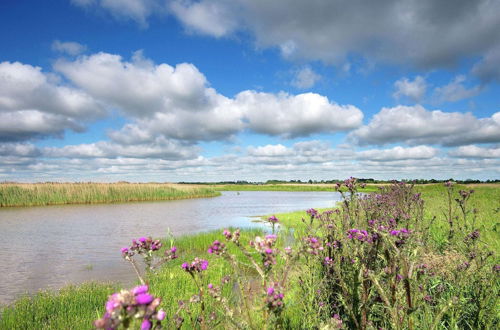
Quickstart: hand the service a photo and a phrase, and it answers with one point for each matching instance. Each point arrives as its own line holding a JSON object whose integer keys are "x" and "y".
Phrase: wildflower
{"x": 171, "y": 253}
{"x": 273, "y": 219}
{"x": 360, "y": 235}
{"x": 198, "y": 265}
{"x": 217, "y": 248}
{"x": 265, "y": 247}
{"x": 274, "y": 300}
{"x": 313, "y": 245}
{"x": 472, "y": 236}
{"x": 235, "y": 237}
{"x": 127, "y": 305}
{"x": 312, "y": 213}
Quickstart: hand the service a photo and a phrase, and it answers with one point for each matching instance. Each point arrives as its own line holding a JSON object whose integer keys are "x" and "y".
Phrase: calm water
{"x": 49, "y": 247}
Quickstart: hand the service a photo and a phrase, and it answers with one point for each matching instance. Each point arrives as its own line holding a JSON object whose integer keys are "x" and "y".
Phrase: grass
{"x": 283, "y": 187}
{"x": 38, "y": 194}
{"x": 73, "y": 307}
{"x": 78, "y": 306}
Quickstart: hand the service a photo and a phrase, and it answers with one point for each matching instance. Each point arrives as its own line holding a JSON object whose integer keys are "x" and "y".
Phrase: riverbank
{"x": 451, "y": 289}
{"x": 40, "y": 194}
{"x": 285, "y": 187}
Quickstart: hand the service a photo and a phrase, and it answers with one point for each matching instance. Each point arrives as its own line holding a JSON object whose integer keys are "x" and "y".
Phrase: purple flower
{"x": 173, "y": 249}
{"x": 146, "y": 324}
{"x": 140, "y": 289}
{"x": 210, "y": 285}
{"x": 273, "y": 219}
{"x": 142, "y": 239}
{"x": 144, "y": 298}
{"x": 312, "y": 213}
{"x": 270, "y": 291}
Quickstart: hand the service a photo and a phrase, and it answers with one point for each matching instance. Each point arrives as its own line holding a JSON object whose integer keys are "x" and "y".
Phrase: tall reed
{"x": 33, "y": 194}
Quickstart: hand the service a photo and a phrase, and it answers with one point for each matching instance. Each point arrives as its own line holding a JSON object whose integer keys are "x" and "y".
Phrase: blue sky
{"x": 211, "y": 90}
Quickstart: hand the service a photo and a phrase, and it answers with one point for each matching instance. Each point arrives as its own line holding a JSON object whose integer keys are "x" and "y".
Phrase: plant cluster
{"x": 370, "y": 263}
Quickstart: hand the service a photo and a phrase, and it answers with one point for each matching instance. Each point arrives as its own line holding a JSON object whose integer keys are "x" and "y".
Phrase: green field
{"x": 446, "y": 297}
{"x": 283, "y": 187}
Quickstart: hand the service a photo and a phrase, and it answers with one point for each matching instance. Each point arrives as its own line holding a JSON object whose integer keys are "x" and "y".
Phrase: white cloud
{"x": 213, "y": 18}
{"x": 398, "y": 153}
{"x": 161, "y": 149}
{"x": 415, "y": 90}
{"x": 269, "y": 150}
{"x": 68, "y": 47}
{"x": 455, "y": 91}
{"x": 416, "y": 125}
{"x": 473, "y": 151}
{"x": 305, "y": 78}
{"x": 178, "y": 102}
{"x": 33, "y": 105}
{"x": 296, "y": 115}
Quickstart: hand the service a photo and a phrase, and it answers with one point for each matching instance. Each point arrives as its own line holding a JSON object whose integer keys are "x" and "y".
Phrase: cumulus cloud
{"x": 473, "y": 151}
{"x": 414, "y": 90}
{"x": 416, "y": 125}
{"x": 305, "y": 78}
{"x": 398, "y": 153}
{"x": 455, "y": 91}
{"x": 33, "y": 105}
{"x": 68, "y": 47}
{"x": 296, "y": 115}
{"x": 177, "y": 102}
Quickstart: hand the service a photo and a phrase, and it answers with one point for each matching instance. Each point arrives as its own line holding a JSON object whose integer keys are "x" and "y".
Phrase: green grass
{"x": 38, "y": 194}
{"x": 283, "y": 187}
{"x": 74, "y": 307}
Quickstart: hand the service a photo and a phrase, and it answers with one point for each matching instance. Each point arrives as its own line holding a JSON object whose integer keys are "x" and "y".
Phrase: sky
{"x": 224, "y": 90}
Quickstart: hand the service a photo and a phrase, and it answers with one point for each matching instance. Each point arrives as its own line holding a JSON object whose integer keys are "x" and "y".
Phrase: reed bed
{"x": 38, "y": 194}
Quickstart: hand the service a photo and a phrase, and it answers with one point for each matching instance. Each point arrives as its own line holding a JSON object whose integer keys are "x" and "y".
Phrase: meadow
{"x": 38, "y": 194}
{"x": 405, "y": 257}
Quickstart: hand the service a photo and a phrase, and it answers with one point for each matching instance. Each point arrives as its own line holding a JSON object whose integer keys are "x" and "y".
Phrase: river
{"x": 52, "y": 246}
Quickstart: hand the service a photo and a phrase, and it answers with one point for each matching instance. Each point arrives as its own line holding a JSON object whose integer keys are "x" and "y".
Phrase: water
{"x": 49, "y": 247}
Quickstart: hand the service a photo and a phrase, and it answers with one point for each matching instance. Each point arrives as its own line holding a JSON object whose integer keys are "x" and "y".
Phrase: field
{"x": 18, "y": 194}
{"x": 404, "y": 258}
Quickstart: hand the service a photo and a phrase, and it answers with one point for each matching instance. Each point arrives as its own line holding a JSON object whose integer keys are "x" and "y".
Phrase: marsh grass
{"x": 37, "y": 194}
